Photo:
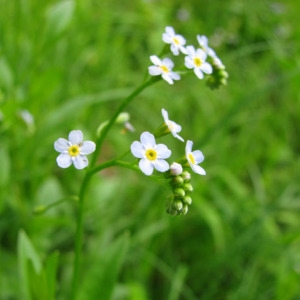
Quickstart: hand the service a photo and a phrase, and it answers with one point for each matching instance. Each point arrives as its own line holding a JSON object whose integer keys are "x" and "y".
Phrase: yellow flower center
{"x": 151, "y": 154}
{"x": 175, "y": 40}
{"x": 191, "y": 158}
{"x": 197, "y": 62}
{"x": 164, "y": 69}
{"x": 170, "y": 126}
{"x": 74, "y": 150}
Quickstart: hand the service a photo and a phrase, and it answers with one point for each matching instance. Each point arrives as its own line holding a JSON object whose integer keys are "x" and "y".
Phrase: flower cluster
{"x": 202, "y": 60}
{"x": 154, "y": 156}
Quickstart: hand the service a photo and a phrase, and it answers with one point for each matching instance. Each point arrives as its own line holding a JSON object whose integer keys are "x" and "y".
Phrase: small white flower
{"x": 194, "y": 158}
{"x": 73, "y": 150}
{"x": 173, "y": 127}
{"x": 203, "y": 42}
{"x": 151, "y": 155}
{"x": 177, "y": 41}
{"x": 164, "y": 68}
{"x": 196, "y": 60}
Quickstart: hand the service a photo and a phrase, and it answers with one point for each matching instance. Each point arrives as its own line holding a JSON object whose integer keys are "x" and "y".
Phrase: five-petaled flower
{"x": 172, "y": 126}
{"x": 164, "y": 68}
{"x": 73, "y": 150}
{"x": 194, "y": 158}
{"x": 152, "y": 156}
{"x": 177, "y": 41}
{"x": 196, "y": 60}
{"x": 203, "y": 42}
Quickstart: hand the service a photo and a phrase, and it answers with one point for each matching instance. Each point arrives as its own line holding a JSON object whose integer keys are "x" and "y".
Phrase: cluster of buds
{"x": 180, "y": 183}
{"x": 219, "y": 75}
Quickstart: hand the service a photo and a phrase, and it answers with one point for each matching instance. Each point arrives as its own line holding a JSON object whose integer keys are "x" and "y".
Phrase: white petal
{"x": 174, "y": 75}
{"x": 177, "y": 136}
{"x": 168, "y": 62}
{"x": 165, "y": 115}
{"x": 188, "y": 62}
{"x": 155, "y": 60}
{"x": 167, "y": 78}
{"x": 153, "y": 70}
{"x": 75, "y": 137}
{"x": 190, "y": 50}
{"x": 188, "y": 147}
{"x": 161, "y": 165}
{"x": 64, "y": 160}
{"x": 87, "y": 147}
{"x": 80, "y": 162}
{"x": 198, "y": 73}
{"x": 148, "y": 140}
{"x": 201, "y": 54}
{"x": 146, "y": 166}
{"x": 198, "y": 156}
{"x": 167, "y": 38}
{"x": 61, "y": 145}
{"x": 206, "y": 68}
{"x": 163, "y": 151}
{"x": 137, "y": 149}
{"x": 197, "y": 169}
{"x": 175, "y": 49}
{"x": 170, "y": 30}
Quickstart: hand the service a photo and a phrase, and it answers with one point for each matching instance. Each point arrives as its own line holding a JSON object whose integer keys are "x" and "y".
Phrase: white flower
{"x": 173, "y": 127}
{"x": 177, "y": 41}
{"x": 73, "y": 150}
{"x": 163, "y": 68}
{"x": 194, "y": 158}
{"x": 203, "y": 42}
{"x": 196, "y": 60}
{"x": 151, "y": 155}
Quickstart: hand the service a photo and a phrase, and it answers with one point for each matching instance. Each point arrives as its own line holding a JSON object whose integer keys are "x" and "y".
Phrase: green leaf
{"x": 101, "y": 279}
{"x": 5, "y": 167}
{"x": 26, "y": 253}
{"x": 51, "y": 270}
{"x": 6, "y": 74}
{"x": 59, "y": 16}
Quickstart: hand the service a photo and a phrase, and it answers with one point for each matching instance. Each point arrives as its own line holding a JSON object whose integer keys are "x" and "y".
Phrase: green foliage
{"x": 69, "y": 64}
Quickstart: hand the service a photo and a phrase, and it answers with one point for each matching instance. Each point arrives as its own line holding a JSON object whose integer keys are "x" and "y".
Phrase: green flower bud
{"x": 179, "y": 192}
{"x": 177, "y": 205}
{"x": 184, "y": 210}
{"x": 188, "y": 187}
{"x": 186, "y": 176}
{"x": 187, "y": 200}
{"x": 177, "y": 181}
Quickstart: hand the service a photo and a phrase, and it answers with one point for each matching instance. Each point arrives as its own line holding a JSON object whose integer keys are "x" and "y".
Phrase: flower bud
{"x": 175, "y": 169}
{"x": 187, "y": 200}
{"x": 186, "y": 176}
{"x": 177, "y": 205}
{"x": 179, "y": 192}
{"x": 188, "y": 188}
{"x": 177, "y": 181}
{"x": 184, "y": 210}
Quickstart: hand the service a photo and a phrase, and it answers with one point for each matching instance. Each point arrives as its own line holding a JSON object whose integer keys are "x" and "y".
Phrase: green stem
{"x": 86, "y": 180}
{"x": 79, "y": 230}
{"x": 125, "y": 102}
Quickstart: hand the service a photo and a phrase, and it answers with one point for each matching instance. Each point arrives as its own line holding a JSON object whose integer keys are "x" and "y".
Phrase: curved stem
{"x": 126, "y": 101}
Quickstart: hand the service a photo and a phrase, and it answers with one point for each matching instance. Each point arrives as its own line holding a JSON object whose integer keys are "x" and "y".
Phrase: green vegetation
{"x": 70, "y": 64}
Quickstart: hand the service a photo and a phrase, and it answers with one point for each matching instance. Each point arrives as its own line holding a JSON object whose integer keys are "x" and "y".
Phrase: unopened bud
{"x": 187, "y": 200}
{"x": 177, "y": 181}
{"x": 188, "y": 187}
{"x": 177, "y": 205}
{"x": 186, "y": 176}
{"x": 184, "y": 209}
{"x": 175, "y": 169}
{"x": 179, "y": 192}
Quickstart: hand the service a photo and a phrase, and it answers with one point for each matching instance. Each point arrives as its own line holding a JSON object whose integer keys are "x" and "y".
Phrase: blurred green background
{"x": 69, "y": 64}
